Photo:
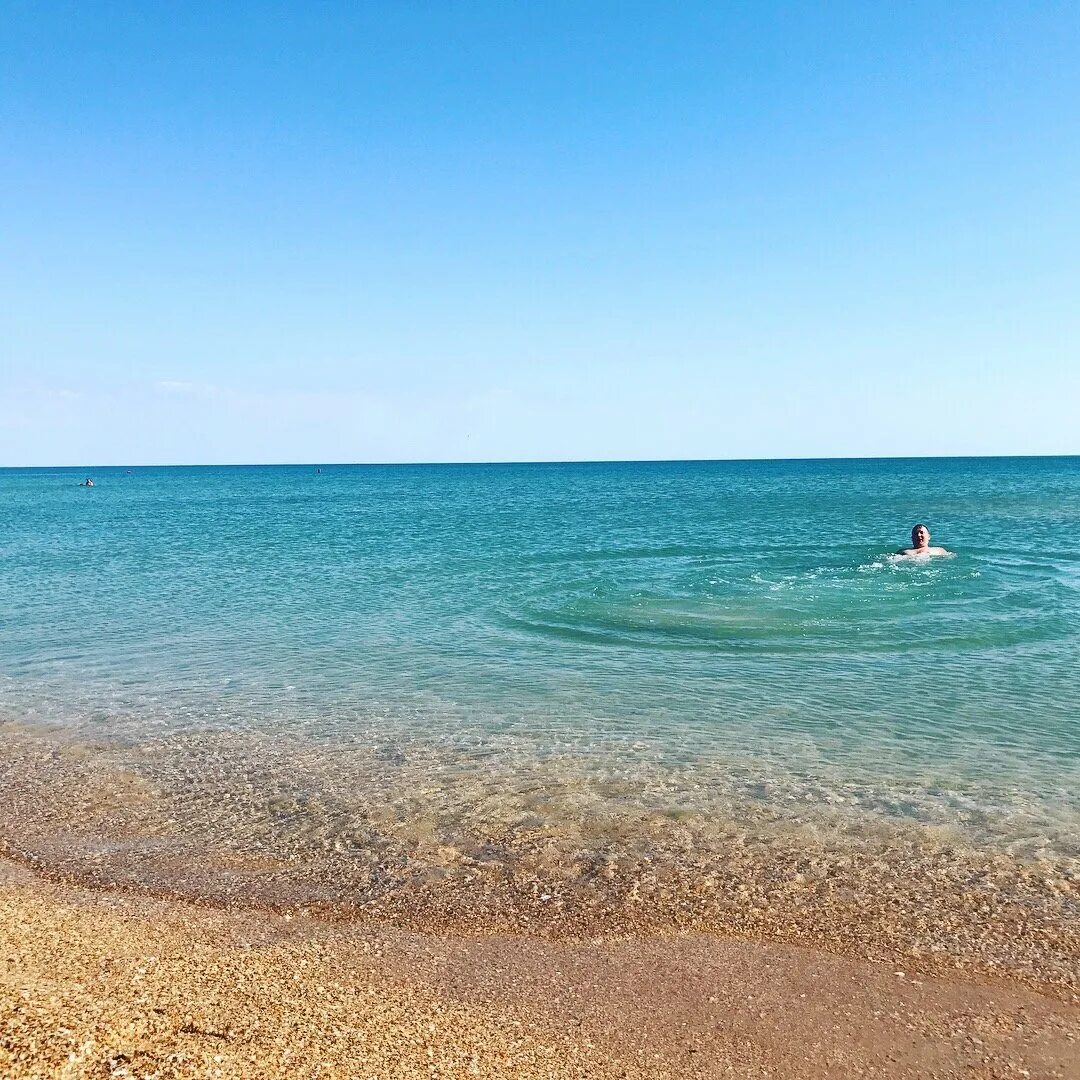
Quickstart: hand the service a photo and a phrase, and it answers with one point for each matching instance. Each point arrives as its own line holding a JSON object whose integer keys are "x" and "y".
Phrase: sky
{"x": 537, "y": 230}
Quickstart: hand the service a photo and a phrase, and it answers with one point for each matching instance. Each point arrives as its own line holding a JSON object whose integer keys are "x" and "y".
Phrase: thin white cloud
{"x": 191, "y": 389}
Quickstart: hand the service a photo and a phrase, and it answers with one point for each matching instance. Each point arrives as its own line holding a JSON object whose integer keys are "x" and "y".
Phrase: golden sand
{"x": 97, "y": 984}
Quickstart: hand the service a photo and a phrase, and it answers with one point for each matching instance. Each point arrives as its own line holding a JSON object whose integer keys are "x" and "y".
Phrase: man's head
{"x": 920, "y": 536}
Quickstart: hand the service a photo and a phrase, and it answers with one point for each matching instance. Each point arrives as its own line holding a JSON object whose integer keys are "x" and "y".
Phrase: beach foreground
{"x": 99, "y": 984}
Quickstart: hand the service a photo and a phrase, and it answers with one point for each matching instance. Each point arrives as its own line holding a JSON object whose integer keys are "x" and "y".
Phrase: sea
{"x": 221, "y": 677}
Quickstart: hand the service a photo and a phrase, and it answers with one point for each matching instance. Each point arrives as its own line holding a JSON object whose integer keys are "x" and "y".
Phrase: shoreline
{"x": 107, "y": 984}
{"x": 159, "y": 919}
{"x": 910, "y": 897}
{"x": 961, "y": 939}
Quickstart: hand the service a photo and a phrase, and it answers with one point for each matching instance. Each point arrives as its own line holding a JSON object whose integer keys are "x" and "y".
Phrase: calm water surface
{"x": 698, "y": 632}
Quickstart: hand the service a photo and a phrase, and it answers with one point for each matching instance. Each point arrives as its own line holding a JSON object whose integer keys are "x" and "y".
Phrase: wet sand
{"x": 102, "y": 984}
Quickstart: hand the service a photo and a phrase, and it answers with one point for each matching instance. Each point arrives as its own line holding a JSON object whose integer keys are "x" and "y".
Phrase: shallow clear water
{"x": 676, "y": 635}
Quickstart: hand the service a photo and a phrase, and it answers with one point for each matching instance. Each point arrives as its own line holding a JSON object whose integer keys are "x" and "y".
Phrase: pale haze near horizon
{"x": 470, "y": 232}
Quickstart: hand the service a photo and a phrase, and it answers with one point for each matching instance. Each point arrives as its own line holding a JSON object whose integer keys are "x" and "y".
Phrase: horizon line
{"x": 538, "y": 461}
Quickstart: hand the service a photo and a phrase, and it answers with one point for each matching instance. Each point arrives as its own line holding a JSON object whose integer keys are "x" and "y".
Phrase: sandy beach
{"x": 101, "y": 984}
{"x": 129, "y": 953}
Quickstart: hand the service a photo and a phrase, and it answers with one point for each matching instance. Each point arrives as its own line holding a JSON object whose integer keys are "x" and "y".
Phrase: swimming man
{"x": 920, "y": 543}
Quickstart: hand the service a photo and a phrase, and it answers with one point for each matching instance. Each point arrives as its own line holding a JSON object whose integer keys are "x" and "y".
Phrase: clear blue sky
{"x": 451, "y": 230}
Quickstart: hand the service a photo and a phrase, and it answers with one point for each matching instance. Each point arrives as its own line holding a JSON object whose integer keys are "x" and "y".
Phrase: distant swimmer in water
{"x": 87, "y": 482}
{"x": 920, "y": 543}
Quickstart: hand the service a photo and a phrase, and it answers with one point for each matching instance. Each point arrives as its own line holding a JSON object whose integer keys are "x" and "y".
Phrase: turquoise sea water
{"x": 683, "y": 637}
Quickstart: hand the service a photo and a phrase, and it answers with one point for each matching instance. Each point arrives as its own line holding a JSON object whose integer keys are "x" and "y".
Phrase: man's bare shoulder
{"x": 924, "y": 551}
